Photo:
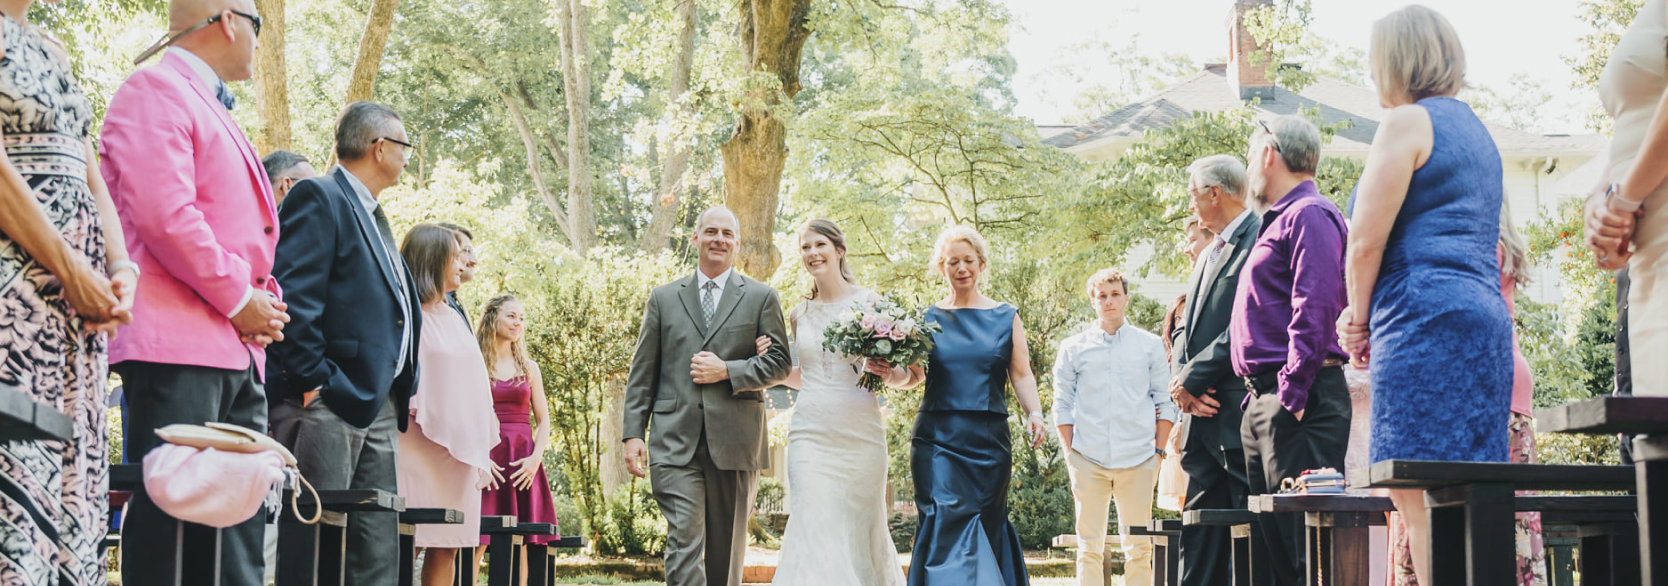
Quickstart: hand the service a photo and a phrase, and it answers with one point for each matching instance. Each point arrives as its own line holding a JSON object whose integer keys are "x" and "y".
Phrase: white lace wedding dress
{"x": 837, "y": 533}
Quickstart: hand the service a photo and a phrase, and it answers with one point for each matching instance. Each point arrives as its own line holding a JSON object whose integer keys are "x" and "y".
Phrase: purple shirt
{"x": 1290, "y": 294}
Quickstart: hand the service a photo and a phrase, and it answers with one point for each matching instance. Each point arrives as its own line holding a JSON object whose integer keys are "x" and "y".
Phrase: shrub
{"x": 1039, "y": 498}
{"x": 903, "y": 527}
{"x": 632, "y": 524}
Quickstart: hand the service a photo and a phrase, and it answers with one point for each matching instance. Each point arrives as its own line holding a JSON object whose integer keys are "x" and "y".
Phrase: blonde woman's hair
{"x": 487, "y": 335}
{"x": 952, "y": 235}
{"x": 1514, "y": 254}
{"x": 1416, "y": 54}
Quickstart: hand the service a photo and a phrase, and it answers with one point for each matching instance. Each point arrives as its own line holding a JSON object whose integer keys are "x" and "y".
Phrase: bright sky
{"x": 1501, "y": 38}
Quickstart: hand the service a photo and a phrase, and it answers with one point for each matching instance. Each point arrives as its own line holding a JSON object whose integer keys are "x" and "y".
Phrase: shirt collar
{"x": 722, "y": 278}
{"x": 359, "y": 189}
{"x": 1303, "y": 190}
{"x": 198, "y": 66}
{"x": 1234, "y": 225}
{"x": 1110, "y": 337}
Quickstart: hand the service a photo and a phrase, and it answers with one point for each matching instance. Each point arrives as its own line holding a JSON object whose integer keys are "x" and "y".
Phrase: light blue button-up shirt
{"x": 1107, "y": 386}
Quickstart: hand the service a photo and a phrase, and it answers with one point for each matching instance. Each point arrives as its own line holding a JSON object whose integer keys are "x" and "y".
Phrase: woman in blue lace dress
{"x": 1421, "y": 271}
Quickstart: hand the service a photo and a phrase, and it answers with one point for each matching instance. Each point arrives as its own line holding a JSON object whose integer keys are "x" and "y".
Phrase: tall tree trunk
{"x": 576, "y": 81}
{"x": 529, "y": 141}
{"x": 362, "y": 83}
{"x": 772, "y": 34}
{"x": 271, "y": 84}
{"x": 678, "y": 111}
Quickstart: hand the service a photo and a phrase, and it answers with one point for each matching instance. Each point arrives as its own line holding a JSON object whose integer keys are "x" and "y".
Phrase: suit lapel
{"x": 1225, "y": 259}
{"x": 1193, "y": 297}
{"x": 251, "y": 161}
{"x": 367, "y": 229}
{"x": 692, "y": 303}
{"x": 733, "y": 292}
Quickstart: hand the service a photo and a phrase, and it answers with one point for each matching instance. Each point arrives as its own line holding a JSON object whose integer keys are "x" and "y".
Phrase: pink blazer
{"x": 197, "y": 212}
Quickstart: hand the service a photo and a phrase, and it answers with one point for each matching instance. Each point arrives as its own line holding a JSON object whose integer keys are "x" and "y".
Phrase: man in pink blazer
{"x": 199, "y": 218}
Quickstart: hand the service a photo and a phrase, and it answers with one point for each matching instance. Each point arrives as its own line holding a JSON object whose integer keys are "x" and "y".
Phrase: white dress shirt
{"x": 722, "y": 279}
{"x": 394, "y": 260}
{"x": 1107, "y": 386}
{"x": 1221, "y": 240}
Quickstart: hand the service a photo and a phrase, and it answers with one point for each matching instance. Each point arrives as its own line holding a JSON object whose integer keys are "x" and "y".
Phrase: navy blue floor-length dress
{"x": 962, "y": 459}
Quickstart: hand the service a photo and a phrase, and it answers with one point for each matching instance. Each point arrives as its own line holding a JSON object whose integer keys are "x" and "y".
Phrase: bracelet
{"x": 1036, "y": 414}
{"x": 1613, "y": 200}
{"x": 115, "y": 267}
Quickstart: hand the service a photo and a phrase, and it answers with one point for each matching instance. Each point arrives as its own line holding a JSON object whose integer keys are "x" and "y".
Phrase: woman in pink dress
{"x": 517, "y": 392}
{"x": 445, "y": 457}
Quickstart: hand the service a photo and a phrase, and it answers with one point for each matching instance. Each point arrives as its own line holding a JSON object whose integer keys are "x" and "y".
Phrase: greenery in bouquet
{"x": 880, "y": 329}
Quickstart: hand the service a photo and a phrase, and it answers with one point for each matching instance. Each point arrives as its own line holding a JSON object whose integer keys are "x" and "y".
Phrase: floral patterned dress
{"x": 52, "y": 495}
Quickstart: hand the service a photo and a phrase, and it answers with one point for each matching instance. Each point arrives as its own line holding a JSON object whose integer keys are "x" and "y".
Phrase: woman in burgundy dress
{"x": 517, "y": 392}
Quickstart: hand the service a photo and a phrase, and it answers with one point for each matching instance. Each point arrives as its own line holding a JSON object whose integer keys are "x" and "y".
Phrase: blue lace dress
{"x": 1441, "y": 361}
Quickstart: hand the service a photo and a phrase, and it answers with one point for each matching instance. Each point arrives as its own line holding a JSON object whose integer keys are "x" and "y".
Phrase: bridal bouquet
{"x": 884, "y": 330}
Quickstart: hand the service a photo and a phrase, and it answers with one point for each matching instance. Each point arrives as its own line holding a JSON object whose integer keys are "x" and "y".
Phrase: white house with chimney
{"x": 1540, "y": 169}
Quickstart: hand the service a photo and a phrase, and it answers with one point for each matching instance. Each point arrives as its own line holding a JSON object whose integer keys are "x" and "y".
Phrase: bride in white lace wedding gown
{"x": 837, "y": 533}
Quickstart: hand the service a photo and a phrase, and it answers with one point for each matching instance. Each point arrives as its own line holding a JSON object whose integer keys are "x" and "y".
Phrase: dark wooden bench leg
{"x": 1472, "y": 543}
{"x": 298, "y": 550}
{"x": 501, "y": 567}
{"x": 1651, "y": 468}
{"x": 332, "y": 555}
{"x": 408, "y": 553}
{"x": 1609, "y": 555}
{"x": 1242, "y": 554}
{"x": 538, "y": 565}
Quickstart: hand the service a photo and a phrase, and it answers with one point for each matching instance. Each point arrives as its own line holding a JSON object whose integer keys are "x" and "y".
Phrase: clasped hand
{"x": 103, "y": 303}
{"x": 706, "y": 368}
{"x": 1204, "y": 406}
{"x": 1353, "y": 338}
{"x": 1609, "y": 232}
{"x": 261, "y": 321}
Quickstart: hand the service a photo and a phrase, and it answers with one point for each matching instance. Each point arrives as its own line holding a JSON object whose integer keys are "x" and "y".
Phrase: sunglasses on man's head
{"x": 1272, "y": 142}
{"x": 254, "y": 20}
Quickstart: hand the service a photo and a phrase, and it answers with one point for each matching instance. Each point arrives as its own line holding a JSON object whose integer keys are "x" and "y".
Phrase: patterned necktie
{"x": 225, "y": 96}
{"x": 706, "y": 300}
{"x": 382, "y": 228}
{"x": 1215, "y": 253}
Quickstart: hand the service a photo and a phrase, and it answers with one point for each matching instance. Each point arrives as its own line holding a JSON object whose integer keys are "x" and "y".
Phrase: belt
{"x": 1268, "y": 381}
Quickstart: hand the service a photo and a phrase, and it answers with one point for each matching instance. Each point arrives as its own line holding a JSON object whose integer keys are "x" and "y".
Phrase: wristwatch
{"x": 111, "y": 268}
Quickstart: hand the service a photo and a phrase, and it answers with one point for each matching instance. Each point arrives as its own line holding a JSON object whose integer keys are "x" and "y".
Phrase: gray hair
{"x": 1224, "y": 171}
{"x": 701, "y": 220}
{"x": 359, "y": 127}
{"x": 1296, "y": 140}
{"x": 280, "y": 161}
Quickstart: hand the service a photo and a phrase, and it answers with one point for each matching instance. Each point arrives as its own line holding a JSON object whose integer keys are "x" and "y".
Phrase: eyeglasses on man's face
{"x": 254, "y": 21}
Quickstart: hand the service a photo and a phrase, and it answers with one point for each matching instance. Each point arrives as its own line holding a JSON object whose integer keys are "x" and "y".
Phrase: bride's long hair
{"x": 828, "y": 229}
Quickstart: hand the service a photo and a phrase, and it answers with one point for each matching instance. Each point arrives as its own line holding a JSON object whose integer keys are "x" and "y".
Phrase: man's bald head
{"x": 184, "y": 13}
{"x": 227, "y": 45}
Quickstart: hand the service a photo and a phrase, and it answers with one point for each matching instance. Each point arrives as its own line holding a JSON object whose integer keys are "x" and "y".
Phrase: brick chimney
{"x": 1249, "y": 80}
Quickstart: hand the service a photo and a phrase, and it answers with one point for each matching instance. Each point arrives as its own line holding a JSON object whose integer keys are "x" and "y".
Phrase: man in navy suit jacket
{"x": 341, "y": 381}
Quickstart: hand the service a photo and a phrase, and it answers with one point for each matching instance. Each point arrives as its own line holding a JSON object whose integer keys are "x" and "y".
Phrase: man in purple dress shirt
{"x": 1282, "y": 334}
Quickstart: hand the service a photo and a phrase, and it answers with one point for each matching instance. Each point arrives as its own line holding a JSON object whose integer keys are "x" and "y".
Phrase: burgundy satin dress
{"x": 515, "y": 433}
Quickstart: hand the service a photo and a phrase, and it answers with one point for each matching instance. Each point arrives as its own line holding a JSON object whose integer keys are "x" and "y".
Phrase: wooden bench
{"x": 1239, "y": 521}
{"x": 316, "y": 555}
{"x": 541, "y": 559}
{"x": 1473, "y": 507}
{"x": 1336, "y": 544}
{"x": 1629, "y": 416}
{"x": 409, "y": 520}
{"x": 1166, "y": 558}
{"x": 24, "y": 418}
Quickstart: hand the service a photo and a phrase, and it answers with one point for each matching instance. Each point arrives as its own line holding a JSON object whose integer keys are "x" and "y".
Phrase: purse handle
{"x": 295, "y": 507}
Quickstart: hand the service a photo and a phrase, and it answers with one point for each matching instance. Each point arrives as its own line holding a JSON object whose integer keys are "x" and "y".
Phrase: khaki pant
{"x": 1131, "y": 489}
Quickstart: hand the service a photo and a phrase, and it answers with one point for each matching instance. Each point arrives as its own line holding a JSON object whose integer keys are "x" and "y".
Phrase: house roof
{"x": 1210, "y": 91}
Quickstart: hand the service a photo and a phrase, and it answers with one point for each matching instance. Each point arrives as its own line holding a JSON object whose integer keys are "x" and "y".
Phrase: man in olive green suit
{"x": 698, "y": 376}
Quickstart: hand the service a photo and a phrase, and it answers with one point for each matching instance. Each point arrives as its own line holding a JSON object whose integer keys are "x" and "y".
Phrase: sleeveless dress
{"x": 510, "y": 400}
{"x": 837, "y": 533}
{"x": 963, "y": 459}
{"x": 444, "y": 454}
{"x": 1441, "y": 364}
{"x": 1631, "y": 87}
{"x": 52, "y": 495}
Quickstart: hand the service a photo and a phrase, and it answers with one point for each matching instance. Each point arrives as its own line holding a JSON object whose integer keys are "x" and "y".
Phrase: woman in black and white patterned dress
{"x": 59, "y": 236}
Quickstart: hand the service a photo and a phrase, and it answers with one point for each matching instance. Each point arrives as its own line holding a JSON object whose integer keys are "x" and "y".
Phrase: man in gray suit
{"x": 698, "y": 376}
{"x": 1204, "y": 386}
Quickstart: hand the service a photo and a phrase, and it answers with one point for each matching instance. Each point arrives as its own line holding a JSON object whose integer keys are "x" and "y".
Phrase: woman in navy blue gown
{"x": 962, "y": 459}
{"x": 1423, "y": 279}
